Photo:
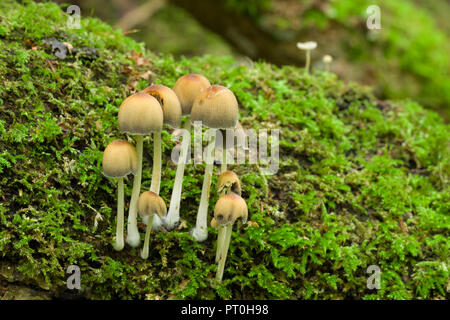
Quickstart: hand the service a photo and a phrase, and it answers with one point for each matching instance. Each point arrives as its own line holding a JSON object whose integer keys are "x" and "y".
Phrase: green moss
{"x": 361, "y": 181}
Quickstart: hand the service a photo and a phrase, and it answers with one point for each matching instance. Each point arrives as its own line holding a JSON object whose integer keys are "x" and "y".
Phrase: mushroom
{"x": 307, "y": 46}
{"x": 223, "y": 145}
{"x": 119, "y": 160}
{"x": 139, "y": 114}
{"x": 150, "y": 204}
{"x": 229, "y": 208}
{"x": 217, "y": 108}
{"x": 187, "y": 88}
{"x": 172, "y": 117}
{"x": 228, "y": 182}
{"x": 327, "y": 59}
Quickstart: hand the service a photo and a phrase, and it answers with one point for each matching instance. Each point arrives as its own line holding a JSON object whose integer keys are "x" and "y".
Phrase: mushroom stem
{"x": 200, "y": 233}
{"x": 220, "y": 240}
{"x": 308, "y": 58}
{"x": 133, "y": 237}
{"x": 173, "y": 216}
{"x": 223, "y": 252}
{"x": 119, "y": 244}
{"x": 144, "y": 252}
{"x": 156, "y": 175}
{"x": 223, "y": 165}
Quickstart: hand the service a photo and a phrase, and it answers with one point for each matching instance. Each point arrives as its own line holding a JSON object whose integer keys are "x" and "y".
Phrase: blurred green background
{"x": 408, "y": 58}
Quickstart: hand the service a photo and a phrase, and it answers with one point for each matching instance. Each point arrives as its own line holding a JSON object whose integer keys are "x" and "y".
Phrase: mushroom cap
{"x": 309, "y": 45}
{"x": 187, "y": 88}
{"x": 119, "y": 159}
{"x": 150, "y": 203}
{"x": 327, "y": 58}
{"x": 229, "y": 181}
{"x": 169, "y": 102}
{"x": 140, "y": 114}
{"x": 229, "y": 208}
{"x": 216, "y": 107}
{"x": 214, "y": 223}
{"x": 238, "y": 138}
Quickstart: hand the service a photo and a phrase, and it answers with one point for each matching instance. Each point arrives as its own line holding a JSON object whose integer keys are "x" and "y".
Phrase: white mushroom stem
{"x": 119, "y": 244}
{"x": 308, "y": 60}
{"x": 200, "y": 233}
{"x": 173, "y": 216}
{"x": 220, "y": 241}
{"x": 156, "y": 174}
{"x": 224, "y": 251}
{"x": 144, "y": 252}
{"x": 133, "y": 237}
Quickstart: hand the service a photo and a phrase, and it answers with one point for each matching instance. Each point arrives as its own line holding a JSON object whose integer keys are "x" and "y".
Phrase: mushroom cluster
{"x": 145, "y": 113}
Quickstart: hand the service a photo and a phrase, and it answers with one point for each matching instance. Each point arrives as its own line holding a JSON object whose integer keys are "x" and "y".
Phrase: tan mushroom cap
{"x": 150, "y": 203}
{"x": 229, "y": 181}
{"x": 187, "y": 88}
{"x": 169, "y": 102}
{"x": 140, "y": 114}
{"x": 216, "y": 107}
{"x": 119, "y": 159}
{"x": 229, "y": 208}
{"x": 239, "y": 137}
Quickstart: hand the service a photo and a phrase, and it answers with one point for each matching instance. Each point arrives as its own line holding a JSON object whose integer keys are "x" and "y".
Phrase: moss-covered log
{"x": 361, "y": 181}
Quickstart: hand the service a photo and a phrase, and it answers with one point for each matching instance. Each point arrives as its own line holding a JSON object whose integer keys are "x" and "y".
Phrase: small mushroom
{"x": 216, "y": 107}
{"x": 327, "y": 59}
{"x": 307, "y": 46}
{"x": 229, "y": 208}
{"x": 187, "y": 88}
{"x": 119, "y": 160}
{"x": 228, "y": 182}
{"x": 139, "y": 114}
{"x": 150, "y": 204}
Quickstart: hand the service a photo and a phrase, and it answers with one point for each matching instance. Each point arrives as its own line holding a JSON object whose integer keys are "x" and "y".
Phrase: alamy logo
{"x": 373, "y": 282}
{"x": 74, "y": 17}
{"x": 74, "y": 280}
{"x": 374, "y": 17}
{"x": 247, "y": 146}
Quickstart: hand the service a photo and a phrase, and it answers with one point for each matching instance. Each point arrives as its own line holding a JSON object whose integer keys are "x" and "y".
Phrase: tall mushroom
{"x": 228, "y": 182}
{"x": 119, "y": 160}
{"x": 139, "y": 114}
{"x": 228, "y": 209}
{"x": 172, "y": 117}
{"x": 307, "y": 46}
{"x": 150, "y": 204}
{"x": 216, "y": 107}
{"x": 187, "y": 88}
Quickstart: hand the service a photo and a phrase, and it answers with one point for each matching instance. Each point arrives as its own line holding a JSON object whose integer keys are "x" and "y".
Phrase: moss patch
{"x": 361, "y": 182}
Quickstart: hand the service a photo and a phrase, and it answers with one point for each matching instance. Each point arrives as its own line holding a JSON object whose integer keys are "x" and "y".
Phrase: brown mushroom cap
{"x": 187, "y": 88}
{"x": 216, "y": 107}
{"x": 229, "y": 208}
{"x": 119, "y": 159}
{"x": 140, "y": 114}
{"x": 228, "y": 180}
{"x": 150, "y": 203}
{"x": 169, "y": 102}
